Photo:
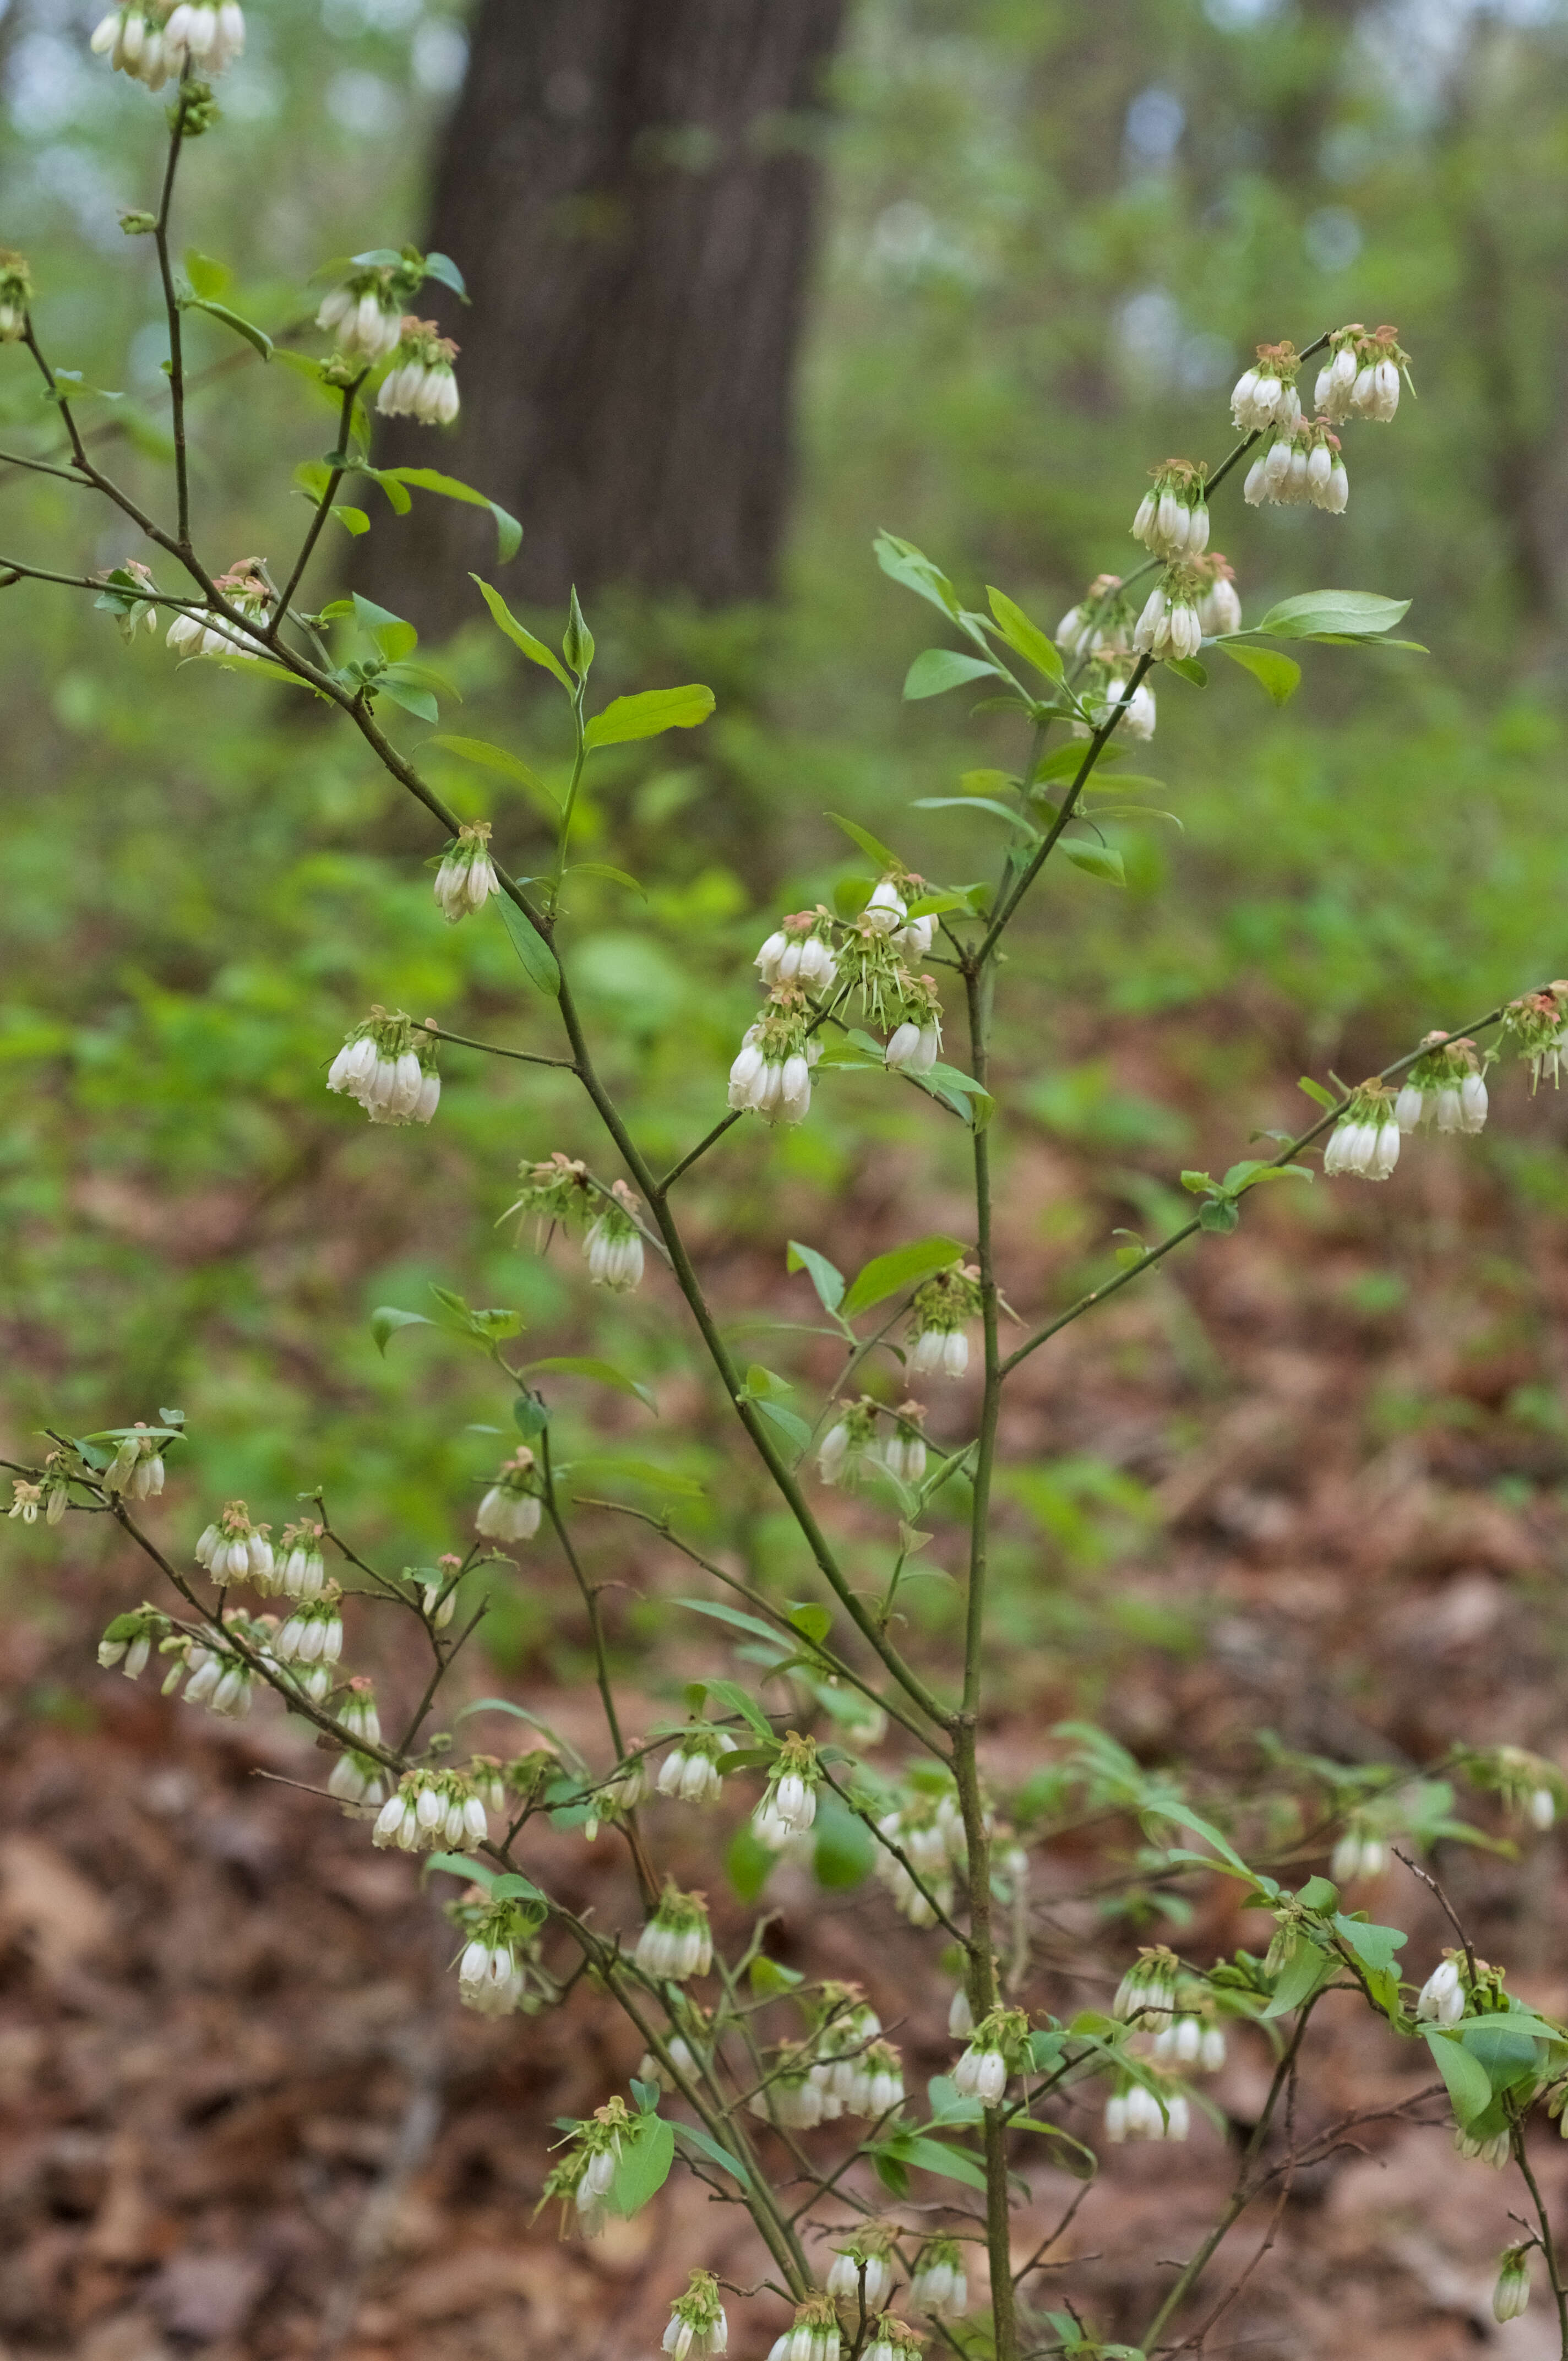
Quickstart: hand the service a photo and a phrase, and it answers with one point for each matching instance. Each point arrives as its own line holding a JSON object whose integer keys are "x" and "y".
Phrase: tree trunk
{"x": 628, "y": 186}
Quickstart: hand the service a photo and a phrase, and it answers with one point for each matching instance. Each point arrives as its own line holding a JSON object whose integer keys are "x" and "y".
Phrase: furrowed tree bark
{"x": 629, "y": 187}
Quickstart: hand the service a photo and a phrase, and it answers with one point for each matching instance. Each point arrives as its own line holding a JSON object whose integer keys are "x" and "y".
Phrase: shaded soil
{"x": 241, "y": 2113}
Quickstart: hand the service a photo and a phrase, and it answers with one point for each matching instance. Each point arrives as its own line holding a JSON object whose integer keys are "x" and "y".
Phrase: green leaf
{"x": 749, "y": 1863}
{"x": 354, "y": 520}
{"x": 414, "y": 699}
{"x": 1280, "y": 675}
{"x": 647, "y": 2153}
{"x": 1344, "y": 614}
{"x": 1299, "y": 1979}
{"x": 1101, "y": 861}
{"x": 709, "y": 2146}
{"x": 650, "y": 714}
{"x": 460, "y": 1864}
{"x": 210, "y": 279}
{"x": 934, "y": 2156}
{"x": 959, "y": 1091}
{"x": 789, "y": 1422}
{"x": 1319, "y": 1894}
{"x": 1256, "y": 1172}
{"x": 1374, "y": 1946}
{"x": 509, "y": 533}
{"x": 604, "y": 1373}
{"x": 723, "y": 1614}
{"x": 768, "y": 1979}
{"x": 642, "y": 1471}
{"x": 603, "y": 869}
{"x": 938, "y": 669}
{"x": 1190, "y": 669}
{"x": 1067, "y": 762}
{"x": 1469, "y": 2085}
{"x": 813, "y": 1620}
{"x": 976, "y": 803}
{"x": 538, "y": 958}
{"x": 500, "y": 760}
{"x": 1219, "y": 1214}
{"x": 902, "y": 562}
{"x": 885, "y": 1274}
{"x": 534, "y": 650}
{"x": 1317, "y": 1094}
{"x": 731, "y": 1693}
{"x": 827, "y": 1281}
{"x": 1025, "y": 636}
{"x": 933, "y": 905}
{"x": 386, "y": 1320}
{"x": 868, "y": 843}
{"x": 843, "y": 1851}
{"x": 766, "y": 1385}
{"x": 394, "y": 638}
{"x": 254, "y": 336}
{"x": 442, "y": 267}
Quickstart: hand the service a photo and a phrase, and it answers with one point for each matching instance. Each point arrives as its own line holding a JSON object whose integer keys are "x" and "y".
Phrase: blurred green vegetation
{"x": 1054, "y": 235}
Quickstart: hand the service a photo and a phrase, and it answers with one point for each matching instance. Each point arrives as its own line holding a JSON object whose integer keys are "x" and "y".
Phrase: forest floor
{"x": 242, "y": 2114}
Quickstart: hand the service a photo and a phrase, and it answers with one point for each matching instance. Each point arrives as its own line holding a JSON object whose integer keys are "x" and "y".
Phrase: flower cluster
{"x": 789, "y": 1803}
{"x": 1361, "y": 1853}
{"x": 677, "y": 1943}
{"x": 15, "y": 294}
{"x": 997, "y": 2048}
{"x": 1219, "y": 606}
{"x": 1441, "y": 2000}
{"x": 582, "y": 2179}
{"x": 1299, "y": 462}
{"x": 772, "y": 1074}
{"x": 927, "y": 1827}
{"x": 1361, "y": 377}
{"x": 1173, "y": 519}
{"x": 861, "y": 2270}
{"x": 204, "y": 632}
{"x": 420, "y": 384}
{"x": 310, "y": 1643}
{"x": 698, "y": 2324}
{"x": 1169, "y": 624}
{"x": 814, "y": 2335}
{"x": 1510, "y": 2297}
{"x": 690, "y": 1772}
{"x": 613, "y": 1243}
{"x": 489, "y": 1969}
{"x": 1537, "y": 1025}
{"x": 800, "y": 950}
{"x": 1148, "y": 1988}
{"x": 136, "y": 1467}
{"x": 936, "y": 1317}
{"x": 893, "y": 2340}
{"x": 234, "y": 1550}
{"x": 558, "y": 1188}
{"x": 1266, "y": 395}
{"x": 466, "y": 877}
{"x": 1136, "y": 2114}
{"x": 365, "y": 313}
{"x": 511, "y": 1509}
{"x": 154, "y": 43}
{"x": 127, "y": 1643}
{"x": 388, "y": 1064}
{"x": 215, "y": 1677}
{"x": 1446, "y": 1088}
{"x": 940, "y": 2284}
{"x": 430, "y": 1810}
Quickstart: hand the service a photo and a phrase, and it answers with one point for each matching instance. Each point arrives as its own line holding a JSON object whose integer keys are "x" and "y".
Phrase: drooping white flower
{"x": 940, "y": 2284}
{"x": 1173, "y": 521}
{"x": 364, "y": 316}
{"x": 420, "y": 384}
{"x": 1441, "y": 2000}
{"x": 511, "y": 1509}
{"x": 1510, "y": 2297}
{"x": 677, "y": 1943}
{"x": 466, "y": 877}
{"x": 1264, "y": 394}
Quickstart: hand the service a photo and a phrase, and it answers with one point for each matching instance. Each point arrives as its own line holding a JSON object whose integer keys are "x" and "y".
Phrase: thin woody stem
{"x": 176, "y": 344}
{"x": 1190, "y": 1229}
{"x": 323, "y": 511}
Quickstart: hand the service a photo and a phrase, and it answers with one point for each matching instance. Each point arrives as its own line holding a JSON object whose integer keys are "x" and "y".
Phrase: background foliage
{"x": 1054, "y": 234}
